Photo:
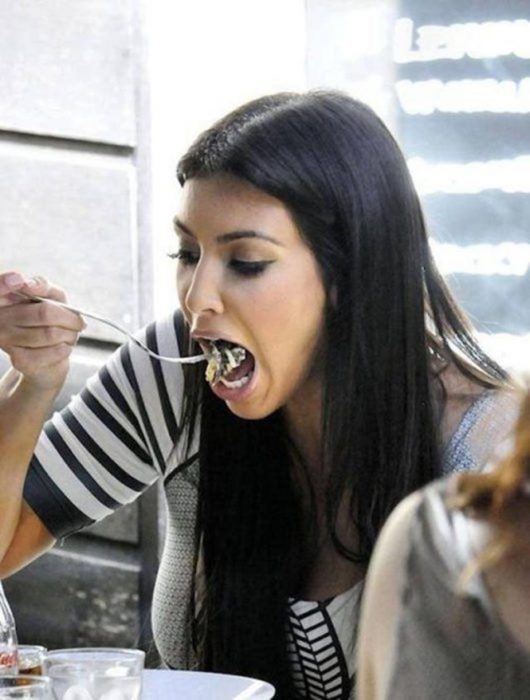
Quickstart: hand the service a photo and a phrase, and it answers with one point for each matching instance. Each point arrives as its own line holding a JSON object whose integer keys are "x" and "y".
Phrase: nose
{"x": 203, "y": 295}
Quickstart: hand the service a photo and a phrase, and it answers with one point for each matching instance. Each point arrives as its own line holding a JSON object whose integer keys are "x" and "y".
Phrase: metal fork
{"x": 102, "y": 319}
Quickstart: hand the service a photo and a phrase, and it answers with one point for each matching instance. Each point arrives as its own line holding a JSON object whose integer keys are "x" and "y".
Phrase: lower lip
{"x": 227, "y": 394}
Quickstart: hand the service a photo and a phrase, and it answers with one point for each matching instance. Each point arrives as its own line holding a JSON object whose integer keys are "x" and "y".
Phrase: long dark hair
{"x": 338, "y": 170}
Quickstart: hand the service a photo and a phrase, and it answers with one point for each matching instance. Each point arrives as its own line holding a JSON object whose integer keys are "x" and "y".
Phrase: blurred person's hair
{"x": 501, "y": 496}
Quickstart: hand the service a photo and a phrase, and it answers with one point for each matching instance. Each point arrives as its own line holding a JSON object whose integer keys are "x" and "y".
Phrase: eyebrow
{"x": 230, "y": 236}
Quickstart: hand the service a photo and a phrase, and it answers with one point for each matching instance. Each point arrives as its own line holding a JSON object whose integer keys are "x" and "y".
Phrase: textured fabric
{"x": 113, "y": 440}
{"x": 321, "y": 644}
{"x": 451, "y": 643}
{"x": 480, "y": 433}
{"x": 117, "y": 437}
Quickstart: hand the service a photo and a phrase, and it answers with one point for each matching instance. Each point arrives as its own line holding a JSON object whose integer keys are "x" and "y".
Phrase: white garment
{"x": 321, "y": 638}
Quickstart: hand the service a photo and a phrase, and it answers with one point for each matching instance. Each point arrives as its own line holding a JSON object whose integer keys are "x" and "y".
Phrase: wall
{"x": 98, "y": 99}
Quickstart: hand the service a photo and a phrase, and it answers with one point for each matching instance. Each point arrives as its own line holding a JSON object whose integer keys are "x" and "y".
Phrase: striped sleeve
{"x": 112, "y": 440}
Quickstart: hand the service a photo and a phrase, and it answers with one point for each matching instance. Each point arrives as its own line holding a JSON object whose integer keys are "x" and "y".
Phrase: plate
{"x": 198, "y": 685}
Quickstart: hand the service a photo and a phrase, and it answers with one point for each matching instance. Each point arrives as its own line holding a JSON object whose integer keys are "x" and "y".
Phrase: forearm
{"x": 23, "y": 410}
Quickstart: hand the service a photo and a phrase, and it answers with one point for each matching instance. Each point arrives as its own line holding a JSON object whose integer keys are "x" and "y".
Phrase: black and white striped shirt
{"x": 113, "y": 440}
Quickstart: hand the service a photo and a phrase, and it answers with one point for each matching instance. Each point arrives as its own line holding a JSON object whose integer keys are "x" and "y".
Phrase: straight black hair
{"x": 388, "y": 318}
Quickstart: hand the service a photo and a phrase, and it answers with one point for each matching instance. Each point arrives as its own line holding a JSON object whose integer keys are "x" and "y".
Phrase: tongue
{"x": 244, "y": 368}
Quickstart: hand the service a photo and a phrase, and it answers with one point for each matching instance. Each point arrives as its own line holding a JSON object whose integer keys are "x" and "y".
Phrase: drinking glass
{"x": 30, "y": 659}
{"x": 24, "y": 687}
{"x": 95, "y": 673}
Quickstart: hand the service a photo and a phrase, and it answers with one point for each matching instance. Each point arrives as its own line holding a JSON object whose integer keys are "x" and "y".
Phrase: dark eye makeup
{"x": 244, "y": 268}
{"x": 186, "y": 257}
{"x": 249, "y": 269}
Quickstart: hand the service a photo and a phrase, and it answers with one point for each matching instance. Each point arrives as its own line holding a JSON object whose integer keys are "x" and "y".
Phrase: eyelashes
{"x": 243, "y": 268}
{"x": 186, "y": 257}
{"x": 249, "y": 269}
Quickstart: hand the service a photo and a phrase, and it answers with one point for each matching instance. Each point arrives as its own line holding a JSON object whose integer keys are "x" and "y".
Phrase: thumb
{"x": 10, "y": 282}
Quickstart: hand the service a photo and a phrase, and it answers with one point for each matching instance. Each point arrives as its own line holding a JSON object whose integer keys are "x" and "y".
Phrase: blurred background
{"x": 98, "y": 98}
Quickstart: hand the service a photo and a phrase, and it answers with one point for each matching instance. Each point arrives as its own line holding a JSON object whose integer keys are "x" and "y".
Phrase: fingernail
{"x": 32, "y": 282}
{"x": 14, "y": 280}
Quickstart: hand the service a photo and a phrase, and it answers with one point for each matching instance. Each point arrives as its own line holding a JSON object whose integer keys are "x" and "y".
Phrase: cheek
{"x": 296, "y": 296}
{"x": 287, "y": 312}
{"x": 270, "y": 298}
{"x": 268, "y": 307}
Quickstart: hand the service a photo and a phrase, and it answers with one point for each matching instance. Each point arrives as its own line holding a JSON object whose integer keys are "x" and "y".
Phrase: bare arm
{"x": 382, "y": 601}
{"x": 22, "y": 414}
{"x": 38, "y": 339}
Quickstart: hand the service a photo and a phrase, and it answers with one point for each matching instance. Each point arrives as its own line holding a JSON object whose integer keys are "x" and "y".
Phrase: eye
{"x": 249, "y": 269}
{"x": 186, "y": 257}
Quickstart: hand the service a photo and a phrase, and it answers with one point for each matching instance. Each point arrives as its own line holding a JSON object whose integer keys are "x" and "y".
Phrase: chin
{"x": 249, "y": 412}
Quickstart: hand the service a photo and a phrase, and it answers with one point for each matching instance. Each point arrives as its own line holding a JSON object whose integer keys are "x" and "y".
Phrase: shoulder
{"x": 146, "y": 390}
{"x": 490, "y": 430}
{"x": 162, "y": 337}
{"x": 382, "y": 598}
{"x": 458, "y": 395}
{"x": 476, "y": 422}
{"x": 130, "y": 378}
{"x": 166, "y": 329}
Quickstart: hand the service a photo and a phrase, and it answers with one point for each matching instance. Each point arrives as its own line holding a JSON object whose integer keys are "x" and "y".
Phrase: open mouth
{"x": 228, "y": 363}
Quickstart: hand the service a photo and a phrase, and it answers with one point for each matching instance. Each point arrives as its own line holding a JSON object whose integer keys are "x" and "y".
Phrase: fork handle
{"x": 120, "y": 329}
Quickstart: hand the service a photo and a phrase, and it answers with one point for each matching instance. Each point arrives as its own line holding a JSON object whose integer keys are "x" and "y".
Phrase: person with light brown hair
{"x": 446, "y": 610}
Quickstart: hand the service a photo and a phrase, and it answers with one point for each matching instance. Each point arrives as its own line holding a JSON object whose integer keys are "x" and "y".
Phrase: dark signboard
{"x": 463, "y": 95}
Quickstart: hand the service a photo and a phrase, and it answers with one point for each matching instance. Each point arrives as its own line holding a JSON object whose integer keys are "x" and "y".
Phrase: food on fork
{"x": 223, "y": 357}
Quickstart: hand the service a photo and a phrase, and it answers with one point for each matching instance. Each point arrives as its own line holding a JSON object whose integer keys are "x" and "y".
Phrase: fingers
{"x": 29, "y": 325}
{"x": 32, "y": 361}
{"x": 40, "y": 315}
{"x": 41, "y": 287}
{"x": 10, "y": 282}
{"x": 41, "y": 337}
{"x": 13, "y": 286}
{"x": 37, "y": 336}
{"x": 17, "y": 311}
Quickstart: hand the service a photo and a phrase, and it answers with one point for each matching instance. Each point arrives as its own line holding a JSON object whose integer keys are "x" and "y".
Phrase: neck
{"x": 303, "y": 416}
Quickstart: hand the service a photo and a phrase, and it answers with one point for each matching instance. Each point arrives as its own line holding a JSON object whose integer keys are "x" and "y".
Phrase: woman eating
{"x": 342, "y": 377}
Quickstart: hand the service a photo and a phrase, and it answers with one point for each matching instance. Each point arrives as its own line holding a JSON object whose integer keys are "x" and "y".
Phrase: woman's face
{"x": 245, "y": 275}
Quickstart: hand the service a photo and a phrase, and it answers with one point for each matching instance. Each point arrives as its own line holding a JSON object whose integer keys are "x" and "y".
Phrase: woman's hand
{"x": 38, "y": 337}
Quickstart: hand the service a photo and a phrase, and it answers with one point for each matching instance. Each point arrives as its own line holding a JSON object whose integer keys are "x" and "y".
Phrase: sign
{"x": 462, "y": 89}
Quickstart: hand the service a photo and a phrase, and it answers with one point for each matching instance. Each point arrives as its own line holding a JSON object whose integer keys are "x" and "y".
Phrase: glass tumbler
{"x": 31, "y": 659}
{"x": 23, "y": 687}
{"x": 95, "y": 673}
